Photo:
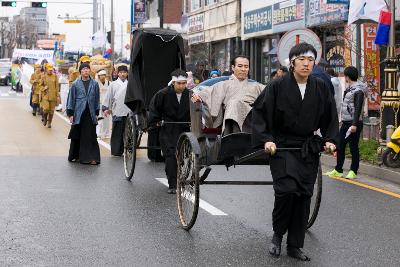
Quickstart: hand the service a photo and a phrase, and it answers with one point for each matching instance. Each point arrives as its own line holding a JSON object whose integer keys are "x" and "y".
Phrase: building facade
{"x": 37, "y": 17}
{"x": 213, "y": 32}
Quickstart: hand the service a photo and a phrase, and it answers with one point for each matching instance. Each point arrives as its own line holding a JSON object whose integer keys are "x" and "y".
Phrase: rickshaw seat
{"x": 212, "y": 130}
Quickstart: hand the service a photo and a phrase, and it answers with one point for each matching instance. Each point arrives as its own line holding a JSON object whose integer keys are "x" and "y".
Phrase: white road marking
{"x": 5, "y": 94}
{"x": 101, "y": 142}
{"x": 203, "y": 204}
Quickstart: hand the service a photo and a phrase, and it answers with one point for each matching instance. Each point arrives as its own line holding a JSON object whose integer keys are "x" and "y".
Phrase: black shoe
{"x": 171, "y": 191}
{"x": 33, "y": 113}
{"x": 275, "y": 247}
{"x": 297, "y": 254}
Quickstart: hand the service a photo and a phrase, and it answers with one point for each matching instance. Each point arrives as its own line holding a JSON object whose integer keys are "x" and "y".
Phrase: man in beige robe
{"x": 229, "y": 102}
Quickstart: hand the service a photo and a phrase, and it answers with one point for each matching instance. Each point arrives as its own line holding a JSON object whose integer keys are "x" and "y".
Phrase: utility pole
{"x": 95, "y": 16}
{"x": 390, "y": 102}
{"x": 122, "y": 38}
{"x": 112, "y": 30}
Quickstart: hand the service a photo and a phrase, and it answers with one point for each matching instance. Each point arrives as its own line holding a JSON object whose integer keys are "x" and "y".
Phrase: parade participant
{"x": 83, "y": 107}
{"x": 50, "y": 94}
{"x": 352, "y": 124}
{"x": 114, "y": 104}
{"x": 229, "y": 102}
{"x": 287, "y": 114}
{"x": 282, "y": 71}
{"x": 104, "y": 84}
{"x": 35, "y": 81}
{"x": 171, "y": 104}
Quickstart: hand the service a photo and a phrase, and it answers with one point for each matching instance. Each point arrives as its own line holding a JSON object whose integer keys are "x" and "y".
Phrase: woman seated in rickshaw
{"x": 228, "y": 103}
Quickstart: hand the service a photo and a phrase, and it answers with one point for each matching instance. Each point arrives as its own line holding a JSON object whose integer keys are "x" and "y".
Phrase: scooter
{"x": 391, "y": 155}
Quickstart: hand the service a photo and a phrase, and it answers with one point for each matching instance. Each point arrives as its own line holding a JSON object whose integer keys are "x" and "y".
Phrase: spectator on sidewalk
{"x": 338, "y": 88}
{"x": 104, "y": 126}
{"x": 83, "y": 107}
{"x": 114, "y": 104}
{"x": 350, "y": 131}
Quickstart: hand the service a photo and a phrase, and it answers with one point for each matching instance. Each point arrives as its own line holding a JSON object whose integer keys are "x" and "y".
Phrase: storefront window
{"x": 219, "y": 56}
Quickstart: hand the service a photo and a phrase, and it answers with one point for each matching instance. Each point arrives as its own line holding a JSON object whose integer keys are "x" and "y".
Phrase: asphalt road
{"x": 55, "y": 213}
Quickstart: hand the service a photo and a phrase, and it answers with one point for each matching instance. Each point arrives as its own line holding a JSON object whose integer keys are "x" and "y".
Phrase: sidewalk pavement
{"x": 375, "y": 171}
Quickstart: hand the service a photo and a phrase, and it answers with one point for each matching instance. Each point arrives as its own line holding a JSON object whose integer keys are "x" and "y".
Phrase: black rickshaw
{"x": 155, "y": 54}
{"x": 203, "y": 147}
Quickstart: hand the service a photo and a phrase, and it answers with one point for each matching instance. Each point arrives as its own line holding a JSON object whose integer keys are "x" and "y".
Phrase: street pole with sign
{"x": 390, "y": 102}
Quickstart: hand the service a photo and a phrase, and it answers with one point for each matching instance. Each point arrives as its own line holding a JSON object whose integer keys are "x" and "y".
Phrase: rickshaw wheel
{"x": 316, "y": 198}
{"x": 188, "y": 187}
{"x": 130, "y": 144}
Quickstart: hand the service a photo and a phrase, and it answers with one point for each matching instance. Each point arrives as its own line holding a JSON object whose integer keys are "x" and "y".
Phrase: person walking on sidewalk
{"x": 114, "y": 104}
{"x": 350, "y": 131}
{"x": 50, "y": 95}
{"x": 83, "y": 107}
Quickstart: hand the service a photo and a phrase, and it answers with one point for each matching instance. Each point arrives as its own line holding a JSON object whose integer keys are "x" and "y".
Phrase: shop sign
{"x": 288, "y": 15}
{"x": 371, "y": 66}
{"x": 337, "y": 2}
{"x": 196, "y": 38}
{"x": 196, "y": 23}
{"x": 335, "y": 49}
{"x": 258, "y": 20}
{"x": 320, "y": 13}
{"x": 140, "y": 12}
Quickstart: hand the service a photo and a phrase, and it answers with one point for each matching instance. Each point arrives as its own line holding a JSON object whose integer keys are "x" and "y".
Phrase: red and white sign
{"x": 371, "y": 66}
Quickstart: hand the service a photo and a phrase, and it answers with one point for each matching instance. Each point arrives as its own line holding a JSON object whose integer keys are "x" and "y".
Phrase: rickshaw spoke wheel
{"x": 316, "y": 198}
{"x": 188, "y": 188}
{"x": 130, "y": 144}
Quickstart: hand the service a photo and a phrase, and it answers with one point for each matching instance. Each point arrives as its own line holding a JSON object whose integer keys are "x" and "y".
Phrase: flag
{"x": 382, "y": 33}
{"x": 99, "y": 39}
{"x": 365, "y": 9}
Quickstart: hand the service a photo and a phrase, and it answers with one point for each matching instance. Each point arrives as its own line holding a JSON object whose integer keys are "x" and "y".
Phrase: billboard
{"x": 321, "y": 13}
{"x": 256, "y": 18}
{"x": 288, "y": 15}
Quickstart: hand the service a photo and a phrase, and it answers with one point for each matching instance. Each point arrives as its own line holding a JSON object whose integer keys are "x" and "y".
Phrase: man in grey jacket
{"x": 350, "y": 131}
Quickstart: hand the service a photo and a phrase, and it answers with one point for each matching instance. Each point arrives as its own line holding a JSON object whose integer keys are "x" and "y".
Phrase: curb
{"x": 374, "y": 171}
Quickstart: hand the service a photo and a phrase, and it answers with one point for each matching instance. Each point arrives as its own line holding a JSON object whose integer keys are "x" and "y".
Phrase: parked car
{"x": 5, "y": 72}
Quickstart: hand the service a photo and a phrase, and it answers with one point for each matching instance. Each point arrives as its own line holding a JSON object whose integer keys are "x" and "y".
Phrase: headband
{"x": 177, "y": 78}
{"x": 306, "y": 54}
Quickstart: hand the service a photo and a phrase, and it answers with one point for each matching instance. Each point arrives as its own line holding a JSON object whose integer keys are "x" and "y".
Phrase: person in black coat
{"x": 287, "y": 114}
{"x": 171, "y": 104}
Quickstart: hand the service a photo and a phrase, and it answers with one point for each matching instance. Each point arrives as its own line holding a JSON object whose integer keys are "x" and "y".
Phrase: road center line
{"x": 367, "y": 186}
{"x": 203, "y": 204}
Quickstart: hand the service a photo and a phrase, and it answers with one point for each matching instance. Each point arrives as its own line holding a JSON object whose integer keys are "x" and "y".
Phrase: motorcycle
{"x": 391, "y": 155}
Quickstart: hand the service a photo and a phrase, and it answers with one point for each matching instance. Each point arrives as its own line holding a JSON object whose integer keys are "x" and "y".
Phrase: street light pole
{"x": 390, "y": 102}
{"x": 112, "y": 30}
{"x": 95, "y": 16}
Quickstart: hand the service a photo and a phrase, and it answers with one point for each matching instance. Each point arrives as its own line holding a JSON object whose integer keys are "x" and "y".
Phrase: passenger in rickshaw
{"x": 287, "y": 114}
{"x": 229, "y": 102}
{"x": 170, "y": 105}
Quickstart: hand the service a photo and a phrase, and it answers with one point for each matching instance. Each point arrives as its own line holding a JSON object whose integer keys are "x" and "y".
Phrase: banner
{"x": 288, "y": 15}
{"x": 33, "y": 56}
{"x": 321, "y": 13}
{"x": 257, "y": 18}
{"x": 196, "y": 23}
{"x": 371, "y": 66}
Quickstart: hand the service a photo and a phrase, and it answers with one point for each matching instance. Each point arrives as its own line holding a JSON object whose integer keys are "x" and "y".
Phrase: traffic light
{"x": 9, "y": 3}
{"x": 39, "y": 4}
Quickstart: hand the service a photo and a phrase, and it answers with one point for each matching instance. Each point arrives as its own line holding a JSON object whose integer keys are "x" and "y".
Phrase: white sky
{"x": 78, "y": 35}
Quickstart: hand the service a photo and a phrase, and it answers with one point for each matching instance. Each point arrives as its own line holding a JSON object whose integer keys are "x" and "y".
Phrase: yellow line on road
{"x": 367, "y": 186}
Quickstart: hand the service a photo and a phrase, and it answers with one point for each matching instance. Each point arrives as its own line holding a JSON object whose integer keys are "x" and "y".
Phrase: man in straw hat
{"x": 50, "y": 95}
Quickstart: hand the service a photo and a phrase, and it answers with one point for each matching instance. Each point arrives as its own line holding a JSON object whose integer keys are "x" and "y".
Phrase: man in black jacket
{"x": 169, "y": 105}
{"x": 350, "y": 131}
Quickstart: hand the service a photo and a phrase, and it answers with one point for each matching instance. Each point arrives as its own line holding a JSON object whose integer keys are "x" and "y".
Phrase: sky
{"x": 78, "y": 35}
